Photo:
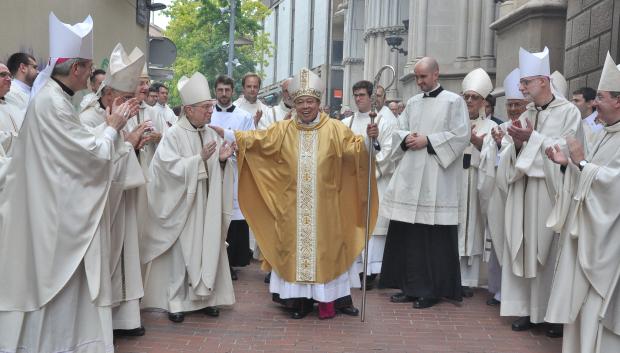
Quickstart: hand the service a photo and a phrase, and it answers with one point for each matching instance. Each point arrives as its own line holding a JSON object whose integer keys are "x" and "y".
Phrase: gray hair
{"x": 63, "y": 69}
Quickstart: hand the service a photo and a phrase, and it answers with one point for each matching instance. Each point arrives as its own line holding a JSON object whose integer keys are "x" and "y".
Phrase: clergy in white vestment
{"x": 55, "y": 295}
{"x": 190, "y": 206}
{"x": 303, "y": 188}
{"x": 584, "y": 98}
{"x": 121, "y": 209}
{"x": 248, "y": 101}
{"x": 585, "y": 295}
{"x": 162, "y": 106}
{"x": 231, "y": 118}
{"x": 24, "y": 69}
{"x": 530, "y": 248}
{"x": 96, "y": 78}
{"x": 362, "y": 91}
{"x": 284, "y": 110}
{"x": 515, "y": 106}
{"x": 473, "y": 200}
{"x": 383, "y": 109}
{"x": 10, "y": 116}
{"x": 421, "y": 256}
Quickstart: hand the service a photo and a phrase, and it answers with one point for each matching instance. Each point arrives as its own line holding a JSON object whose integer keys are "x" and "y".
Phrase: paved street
{"x": 255, "y": 324}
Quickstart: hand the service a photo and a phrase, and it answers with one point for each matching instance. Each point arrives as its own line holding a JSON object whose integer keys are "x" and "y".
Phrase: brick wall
{"x": 592, "y": 28}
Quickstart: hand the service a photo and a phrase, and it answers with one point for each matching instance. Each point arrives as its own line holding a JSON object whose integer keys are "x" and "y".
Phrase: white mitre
{"x": 559, "y": 84}
{"x": 194, "y": 89}
{"x": 511, "y": 85}
{"x": 306, "y": 83}
{"x": 610, "y": 76}
{"x": 534, "y": 64}
{"x": 124, "y": 70}
{"x": 478, "y": 81}
{"x": 66, "y": 42}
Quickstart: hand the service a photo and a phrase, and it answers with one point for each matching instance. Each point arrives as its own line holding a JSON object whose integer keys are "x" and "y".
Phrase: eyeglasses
{"x": 6, "y": 74}
{"x": 208, "y": 106}
{"x": 473, "y": 97}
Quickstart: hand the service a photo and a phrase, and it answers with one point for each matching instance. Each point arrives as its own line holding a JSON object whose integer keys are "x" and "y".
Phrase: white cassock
{"x": 473, "y": 201}
{"x": 266, "y": 119}
{"x": 145, "y": 155}
{"x": 9, "y": 125}
{"x": 93, "y": 114}
{"x": 18, "y": 97}
{"x": 530, "y": 248}
{"x": 497, "y": 189}
{"x": 585, "y": 295}
{"x": 237, "y": 120}
{"x": 122, "y": 231}
{"x": 384, "y": 169}
{"x": 56, "y": 189}
{"x": 190, "y": 208}
{"x": 167, "y": 114}
{"x": 88, "y": 99}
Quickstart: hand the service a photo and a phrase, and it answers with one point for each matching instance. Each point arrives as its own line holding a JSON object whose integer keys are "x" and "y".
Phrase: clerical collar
{"x": 545, "y": 106}
{"x": 67, "y": 90}
{"x": 21, "y": 85}
{"x": 434, "y": 93}
{"x": 228, "y": 109}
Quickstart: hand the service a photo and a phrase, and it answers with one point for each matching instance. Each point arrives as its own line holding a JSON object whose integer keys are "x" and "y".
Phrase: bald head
{"x": 426, "y": 73}
{"x": 427, "y": 64}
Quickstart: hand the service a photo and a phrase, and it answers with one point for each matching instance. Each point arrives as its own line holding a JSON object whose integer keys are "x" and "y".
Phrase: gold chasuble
{"x": 303, "y": 191}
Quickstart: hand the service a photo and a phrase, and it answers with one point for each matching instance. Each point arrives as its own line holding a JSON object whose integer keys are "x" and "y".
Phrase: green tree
{"x": 200, "y": 32}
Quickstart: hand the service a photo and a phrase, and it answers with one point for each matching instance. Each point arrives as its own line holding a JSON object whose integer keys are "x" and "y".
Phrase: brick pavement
{"x": 255, "y": 324}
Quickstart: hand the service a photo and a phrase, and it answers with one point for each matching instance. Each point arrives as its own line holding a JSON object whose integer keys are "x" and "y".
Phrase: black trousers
{"x": 422, "y": 260}
{"x": 238, "y": 239}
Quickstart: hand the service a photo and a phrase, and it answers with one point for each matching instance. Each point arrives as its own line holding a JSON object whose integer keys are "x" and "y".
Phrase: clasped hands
{"x": 575, "y": 150}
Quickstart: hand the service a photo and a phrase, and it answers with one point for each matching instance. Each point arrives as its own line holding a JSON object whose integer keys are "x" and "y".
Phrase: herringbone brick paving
{"x": 255, "y": 324}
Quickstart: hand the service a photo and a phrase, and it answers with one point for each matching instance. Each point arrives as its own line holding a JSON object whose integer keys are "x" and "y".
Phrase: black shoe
{"x": 130, "y": 333}
{"x": 212, "y": 311}
{"x": 522, "y": 324}
{"x": 467, "y": 292}
{"x": 233, "y": 274}
{"x": 401, "y": 298}
{"x": 268, "y": 278}
{"x": 299, "y": 314}
{"x": 493, "y": 302}
{"x": 555, "y": 330}
{"x": 350, "y": 310}
{"x": 423, "y": 303}
{"x": 176, "y": 317}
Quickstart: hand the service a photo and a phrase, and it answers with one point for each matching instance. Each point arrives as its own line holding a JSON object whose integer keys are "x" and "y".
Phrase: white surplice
{"x": 56, "y": 188}
{"x": 266, "y": 119}
{"x": 9, "y": 125}
{"x": 190, "y": 207}
{"x": 384, "y": 169}
{"x": 422, "y": 189}
{"x": 530, "y": 248}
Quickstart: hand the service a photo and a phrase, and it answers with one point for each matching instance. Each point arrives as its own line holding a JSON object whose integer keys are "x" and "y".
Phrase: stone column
{"x": 463, "y": 19}
{"x": 475, "y": 16}
{"x": 488, "y": 50}
{"x": 421, "y": 19}
{"x": 411, "y": 39}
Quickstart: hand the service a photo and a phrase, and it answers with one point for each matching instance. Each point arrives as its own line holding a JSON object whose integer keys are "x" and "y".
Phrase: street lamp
{"x": 394, "y": 42}
{"x": 150, "y": 7}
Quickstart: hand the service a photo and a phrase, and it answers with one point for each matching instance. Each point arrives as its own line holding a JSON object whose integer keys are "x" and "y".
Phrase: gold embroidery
{"x": 306, "y": 206}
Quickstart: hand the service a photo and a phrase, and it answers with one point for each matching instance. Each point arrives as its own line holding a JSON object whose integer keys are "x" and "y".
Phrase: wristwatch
{"x": 582, "y": 164}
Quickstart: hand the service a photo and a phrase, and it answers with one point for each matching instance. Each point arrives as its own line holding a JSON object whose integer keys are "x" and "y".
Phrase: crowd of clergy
{"x": 113, "y": 203}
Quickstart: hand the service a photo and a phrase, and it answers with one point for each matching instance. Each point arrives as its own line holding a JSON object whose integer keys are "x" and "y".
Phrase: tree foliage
{"x": 200, "y": 31}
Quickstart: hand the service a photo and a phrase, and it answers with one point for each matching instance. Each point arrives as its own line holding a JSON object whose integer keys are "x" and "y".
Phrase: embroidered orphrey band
{"x": 306, "y": 206}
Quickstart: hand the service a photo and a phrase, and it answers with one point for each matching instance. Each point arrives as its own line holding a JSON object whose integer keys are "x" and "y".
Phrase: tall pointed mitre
{"x": 534, "y": 64}
{"x": 306, "y": 83}
{"x": 610, "y": 77}
{"x": 66, "y": 42}
{"x": 145, "y": 72}
{"x": 124, "y": 70}
{"x": 511, "y": 85}
{"x": 559, "y": 84}
{"x": 71, "y": 41}
{"x": 194, "y": 89}
{"x": 478, "y": 81}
